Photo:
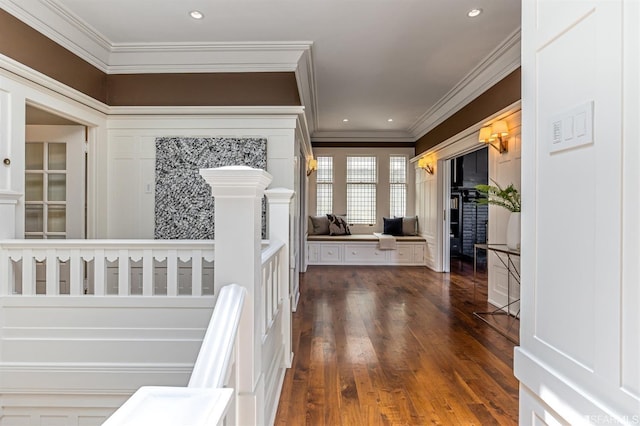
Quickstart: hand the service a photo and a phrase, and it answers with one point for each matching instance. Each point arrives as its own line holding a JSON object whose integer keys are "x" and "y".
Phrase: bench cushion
{"x": 360, "y": 237}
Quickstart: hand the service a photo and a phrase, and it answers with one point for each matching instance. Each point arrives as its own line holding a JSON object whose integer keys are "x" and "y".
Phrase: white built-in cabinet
{"x": 365, "y": 253}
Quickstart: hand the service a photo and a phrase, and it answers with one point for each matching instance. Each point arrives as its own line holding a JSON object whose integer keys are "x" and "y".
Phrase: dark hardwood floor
{"x": 396, "y": 346}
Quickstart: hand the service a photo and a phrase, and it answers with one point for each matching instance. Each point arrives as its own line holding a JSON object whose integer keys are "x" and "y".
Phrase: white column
{"x": 279, "y": 200}
{"x": 8, "y": 203}
{"x": 238, "y": 192}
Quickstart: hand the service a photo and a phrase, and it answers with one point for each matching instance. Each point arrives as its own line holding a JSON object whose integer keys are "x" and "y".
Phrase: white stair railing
{"x": 106, "y": 267}
{"x": 205, "y": 401}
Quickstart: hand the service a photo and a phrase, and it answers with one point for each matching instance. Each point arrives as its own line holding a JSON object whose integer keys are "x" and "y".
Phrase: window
{"x": 324, "y": 186}
{"x": 45, "y": 190}
{"x": 362, "y": 178}
{"x": 397, "y": 185}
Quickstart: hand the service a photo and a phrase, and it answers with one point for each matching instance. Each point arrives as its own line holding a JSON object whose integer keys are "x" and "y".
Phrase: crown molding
{"x": 46, "y": 17}
{"x": 200, "y": 111}
{"x": 502, "y": 61}
{"x": 63, "y": 27}
{"x": 366, "y": 137}
{"x": 132, "y": 58}
{"x": 307, "y": 89}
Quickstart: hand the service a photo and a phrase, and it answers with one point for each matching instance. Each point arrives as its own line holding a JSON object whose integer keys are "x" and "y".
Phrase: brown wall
{"x": 502, "y": 94}
{"x": 228, "y": 89}
{"x": 29, "y": 47}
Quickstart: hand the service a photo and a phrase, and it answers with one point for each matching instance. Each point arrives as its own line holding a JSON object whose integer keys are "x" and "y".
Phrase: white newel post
{"x": 279, "y": 216}
{"x": 8, "y": 204}
{"x": 238, "y": 192}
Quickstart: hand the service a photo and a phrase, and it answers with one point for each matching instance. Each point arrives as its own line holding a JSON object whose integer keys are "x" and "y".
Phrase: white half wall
{"x": 131, "y": 160}
{"x": 579, "y": 358}
{"x": 74, "y": 360}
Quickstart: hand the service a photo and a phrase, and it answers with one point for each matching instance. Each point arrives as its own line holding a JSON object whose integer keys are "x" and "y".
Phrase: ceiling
{"x": 367, "y": 61}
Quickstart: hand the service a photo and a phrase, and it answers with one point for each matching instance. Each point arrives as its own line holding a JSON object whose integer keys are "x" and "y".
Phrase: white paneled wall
{"x": 579, "y": 358}
{"x": 505, "y": 170}
{"x": 131, "y": 160}
{"x": 427, "y": 209}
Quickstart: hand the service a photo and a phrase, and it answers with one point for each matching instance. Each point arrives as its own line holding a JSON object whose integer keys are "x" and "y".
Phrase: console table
{"x": 506, "y": 256}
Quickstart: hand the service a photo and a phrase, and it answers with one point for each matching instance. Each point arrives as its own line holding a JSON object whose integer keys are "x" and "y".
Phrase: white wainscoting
{"x": 83, "y": 356}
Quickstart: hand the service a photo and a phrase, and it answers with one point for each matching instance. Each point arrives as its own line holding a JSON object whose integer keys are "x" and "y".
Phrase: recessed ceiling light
{"x": 344, "y": 120}
{"x": 474, "y": 12}
{"x": 390, "y": 120}
{"x": 196, "y": 14}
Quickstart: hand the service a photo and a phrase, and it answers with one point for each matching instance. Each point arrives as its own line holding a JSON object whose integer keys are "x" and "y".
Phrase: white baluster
{"x": 75, "y": 286}
{"x": 196, "y": 273}
{"x": 28, "y": 273}
{"x": 53, "y": 273}
{"x": 147, "y": 273}
{"x": 172, "y": 273}
{"x": 124, "y": 273}
{"x": 99, "y": 273}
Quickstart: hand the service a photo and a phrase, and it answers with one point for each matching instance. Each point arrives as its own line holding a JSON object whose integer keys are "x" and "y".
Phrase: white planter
{"x": 513, "y": 231}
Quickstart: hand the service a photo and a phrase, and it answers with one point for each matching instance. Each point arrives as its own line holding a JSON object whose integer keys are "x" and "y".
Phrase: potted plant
{"x": 508, "y": 198}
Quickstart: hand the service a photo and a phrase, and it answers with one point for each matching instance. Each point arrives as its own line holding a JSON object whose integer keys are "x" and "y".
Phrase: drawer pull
{"x": 354, "y": 252}
{"x": 377, "y": 253}
{"x": 330, "y": 252}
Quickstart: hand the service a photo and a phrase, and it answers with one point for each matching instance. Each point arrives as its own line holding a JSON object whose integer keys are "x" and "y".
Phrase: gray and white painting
{"x": 184, "y": 208}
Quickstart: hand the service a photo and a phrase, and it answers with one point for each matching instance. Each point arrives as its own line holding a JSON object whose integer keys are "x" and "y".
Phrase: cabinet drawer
{"x": 403, "y": 254}
{"x": 363, "y": 254}
{"x": 330, "y": 253}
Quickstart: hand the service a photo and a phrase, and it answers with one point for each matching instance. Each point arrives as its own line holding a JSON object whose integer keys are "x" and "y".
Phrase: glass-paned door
{"x": 46, "y": 190}
{"x": 54, "y": 182}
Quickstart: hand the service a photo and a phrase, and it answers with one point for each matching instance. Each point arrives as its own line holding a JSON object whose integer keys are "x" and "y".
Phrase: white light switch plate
{"x": 571, "y": 128}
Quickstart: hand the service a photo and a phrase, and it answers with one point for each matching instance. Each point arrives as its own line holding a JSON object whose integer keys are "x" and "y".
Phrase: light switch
{"x": 572, "y": 128}
{"x": 581, "y": 124}
{"x": 567, "y": 128}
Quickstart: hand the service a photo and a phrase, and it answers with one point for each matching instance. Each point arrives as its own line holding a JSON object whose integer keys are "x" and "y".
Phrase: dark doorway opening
{"x": 468, "y": 220}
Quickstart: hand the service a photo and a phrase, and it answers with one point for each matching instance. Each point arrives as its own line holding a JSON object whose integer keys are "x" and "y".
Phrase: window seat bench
{"x": 362, "y": 249}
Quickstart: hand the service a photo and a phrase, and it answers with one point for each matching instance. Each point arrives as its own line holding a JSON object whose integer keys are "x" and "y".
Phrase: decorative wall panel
{"x": 184, "y": 208}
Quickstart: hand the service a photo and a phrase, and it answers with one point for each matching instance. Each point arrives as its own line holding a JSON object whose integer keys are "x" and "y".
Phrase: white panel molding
{"x": 364, "y": 136}
{"x": 204, "y": 112}
{"x": 497, "y": 65}
{"x": 572, "y": 401}
{"x": 37, "y": 369}
{"x": 630, "y": 316}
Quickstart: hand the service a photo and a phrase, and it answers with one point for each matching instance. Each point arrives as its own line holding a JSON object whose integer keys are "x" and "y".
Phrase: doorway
{"x": 55, "y": 176}
{"x": 468, "y": 220}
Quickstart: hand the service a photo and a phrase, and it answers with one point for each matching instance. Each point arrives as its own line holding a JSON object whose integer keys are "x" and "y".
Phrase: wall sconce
{"x": 424, "y": 164}
{"x": 497, "y": 131}
{"x": 312, "y": 166}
